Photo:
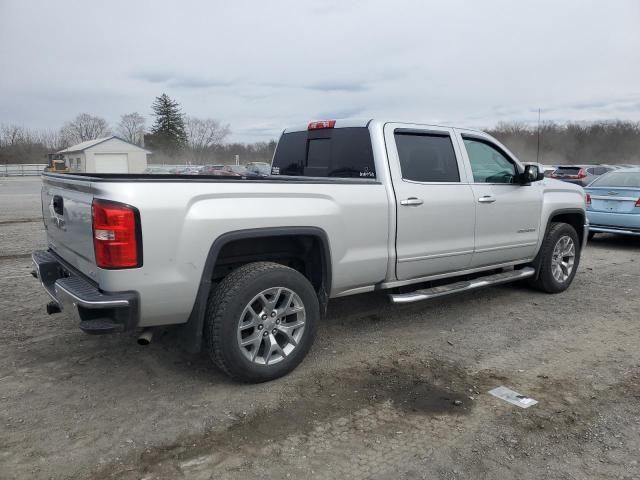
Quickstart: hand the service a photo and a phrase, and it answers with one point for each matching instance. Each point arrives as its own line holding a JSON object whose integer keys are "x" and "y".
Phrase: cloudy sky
{"x": 261, "y": 66}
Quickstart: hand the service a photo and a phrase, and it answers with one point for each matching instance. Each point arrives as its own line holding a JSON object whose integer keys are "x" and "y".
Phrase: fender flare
{"x": 190, "y": 333}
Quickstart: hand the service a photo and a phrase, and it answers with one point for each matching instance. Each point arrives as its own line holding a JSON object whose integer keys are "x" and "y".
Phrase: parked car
{"x": 613, "y": 202}
{"x": 581, "y": 175}
{"x": 238, "y": 169}
{"x": 247, "y": 266}
{"x": 185, "y": 170}
{"x": 156, "y": 170}
{"x": 219, "y": 171}
{"x": 213, "y": 170}
{"x": 259, "y": 168}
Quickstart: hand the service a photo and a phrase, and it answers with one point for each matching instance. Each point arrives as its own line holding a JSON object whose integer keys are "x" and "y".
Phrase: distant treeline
{"x": 611, "y": 142}
{"x": 224, "y": 153}
{"x": 21, "y": 145}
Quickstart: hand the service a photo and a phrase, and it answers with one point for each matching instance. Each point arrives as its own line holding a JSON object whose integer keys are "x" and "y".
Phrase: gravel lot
{"x": 376, "y": 398}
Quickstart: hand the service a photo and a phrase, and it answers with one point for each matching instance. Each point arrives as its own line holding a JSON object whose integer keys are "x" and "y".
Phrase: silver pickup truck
{"x": 245, "y": 267}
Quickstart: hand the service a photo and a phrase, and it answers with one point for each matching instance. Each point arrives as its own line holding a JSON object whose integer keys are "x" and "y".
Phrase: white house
{"x": 106, "y": 155}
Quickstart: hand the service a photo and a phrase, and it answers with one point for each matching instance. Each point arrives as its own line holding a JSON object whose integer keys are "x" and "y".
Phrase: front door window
{"x": 488, "y": 164}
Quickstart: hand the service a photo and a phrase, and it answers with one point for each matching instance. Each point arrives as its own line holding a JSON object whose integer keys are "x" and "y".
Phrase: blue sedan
{"x": 613, "y": 202}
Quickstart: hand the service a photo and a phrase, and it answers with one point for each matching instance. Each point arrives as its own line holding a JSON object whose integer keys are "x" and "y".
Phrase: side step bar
{"x": 463, "y": 286}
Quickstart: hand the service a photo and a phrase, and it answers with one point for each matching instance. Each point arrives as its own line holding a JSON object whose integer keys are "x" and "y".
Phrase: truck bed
{"x": 182, "y": 215}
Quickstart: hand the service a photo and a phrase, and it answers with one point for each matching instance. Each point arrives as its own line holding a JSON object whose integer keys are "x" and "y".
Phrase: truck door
{"x": 507, "y": 213}
{"x": 434, "y": 203}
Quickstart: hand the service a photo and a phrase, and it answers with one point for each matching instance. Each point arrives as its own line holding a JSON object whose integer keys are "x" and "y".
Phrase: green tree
{"x": 168, "y": 134}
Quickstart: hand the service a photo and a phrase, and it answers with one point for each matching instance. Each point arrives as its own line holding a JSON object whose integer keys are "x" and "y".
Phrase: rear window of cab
{"x": 329, "y": 152}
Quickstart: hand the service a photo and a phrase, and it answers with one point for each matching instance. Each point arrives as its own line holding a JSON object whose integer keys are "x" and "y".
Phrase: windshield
{"x": 618, "y": 179}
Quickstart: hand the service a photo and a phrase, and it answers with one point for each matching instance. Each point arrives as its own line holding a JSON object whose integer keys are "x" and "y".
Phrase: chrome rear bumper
{"x": 618, "y": 230}
{"x": 71, "y": 291}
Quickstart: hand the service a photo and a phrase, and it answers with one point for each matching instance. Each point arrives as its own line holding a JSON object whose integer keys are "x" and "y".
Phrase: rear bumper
{"x": 622, "y": 223}
{"x": 618, "y": 230}
{"x": 99, "y": 312}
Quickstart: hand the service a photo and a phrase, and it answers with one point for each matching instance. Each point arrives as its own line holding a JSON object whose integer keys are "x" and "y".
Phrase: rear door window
{"x": 330, "y": 152}
{"x": 426, "y": 157}
{"x": 568, "y": 170}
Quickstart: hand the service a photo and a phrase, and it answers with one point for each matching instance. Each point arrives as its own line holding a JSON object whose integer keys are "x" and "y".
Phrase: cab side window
{"x": 488, "y": 164}
{"x": 427, "y": 157}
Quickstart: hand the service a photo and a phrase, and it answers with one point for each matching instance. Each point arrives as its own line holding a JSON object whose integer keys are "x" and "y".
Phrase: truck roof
{"x": 360, "y": 122}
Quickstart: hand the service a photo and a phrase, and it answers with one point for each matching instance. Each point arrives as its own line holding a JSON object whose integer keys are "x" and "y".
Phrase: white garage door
{"x": 111, "y": 163}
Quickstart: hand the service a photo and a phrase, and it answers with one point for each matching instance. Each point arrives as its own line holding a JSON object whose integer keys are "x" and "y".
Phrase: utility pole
{"x": 538, "y": 150}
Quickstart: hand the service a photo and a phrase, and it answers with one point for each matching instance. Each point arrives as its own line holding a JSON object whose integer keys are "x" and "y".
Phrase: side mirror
{"x": 531, "y": 173}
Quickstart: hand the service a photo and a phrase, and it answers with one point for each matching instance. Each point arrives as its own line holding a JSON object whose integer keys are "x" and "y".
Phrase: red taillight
{"x": 638, "y": 202}
{"x": 587, "y": 199}
{"x": 116, "y": 235}
{"x": 321, "y": 124}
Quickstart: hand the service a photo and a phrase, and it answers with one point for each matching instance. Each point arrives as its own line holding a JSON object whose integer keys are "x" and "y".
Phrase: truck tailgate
{"x": 66, "y": 209}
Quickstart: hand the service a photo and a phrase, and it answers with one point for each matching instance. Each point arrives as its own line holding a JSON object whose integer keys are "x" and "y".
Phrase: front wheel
{"x": 261, "y": 321}
{"x": 559, "y": 257}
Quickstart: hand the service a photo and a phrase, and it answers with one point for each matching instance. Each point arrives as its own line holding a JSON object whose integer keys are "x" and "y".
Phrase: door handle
{"x": 411, "y": 201}
{"x": 487, "y": 199}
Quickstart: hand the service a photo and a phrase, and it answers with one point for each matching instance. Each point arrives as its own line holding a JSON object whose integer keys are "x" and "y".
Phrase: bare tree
{"x": 84, "y": 127}
{"x": 131, "y": 128}
{"x": 11, "y": 135}
{"x": 203, "y": 134}
{"x": 50, "y": 139}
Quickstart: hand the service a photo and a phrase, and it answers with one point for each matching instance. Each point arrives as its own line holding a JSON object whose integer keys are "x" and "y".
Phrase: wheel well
{"x": 305, "y": 249}
{"x": 575, "y": 219}
{"x": 304, "y": 253}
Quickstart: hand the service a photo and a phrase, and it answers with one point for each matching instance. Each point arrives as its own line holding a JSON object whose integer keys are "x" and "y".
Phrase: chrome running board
{"x": 463, "y": 286}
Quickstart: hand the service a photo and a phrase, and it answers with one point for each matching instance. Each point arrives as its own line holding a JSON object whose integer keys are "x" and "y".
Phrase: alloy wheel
{"x": 271, "y": 326}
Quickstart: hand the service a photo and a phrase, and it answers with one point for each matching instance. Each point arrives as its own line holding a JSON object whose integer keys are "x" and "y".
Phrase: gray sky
{"x": 261, "y": 66}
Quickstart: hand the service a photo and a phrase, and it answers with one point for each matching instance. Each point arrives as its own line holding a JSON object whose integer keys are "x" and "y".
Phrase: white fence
{"x": 21, "y": 169}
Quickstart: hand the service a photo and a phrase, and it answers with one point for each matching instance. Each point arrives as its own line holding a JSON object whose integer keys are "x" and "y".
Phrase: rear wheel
{"x": 261, "y": 321}
{"x": 559, "y": 257}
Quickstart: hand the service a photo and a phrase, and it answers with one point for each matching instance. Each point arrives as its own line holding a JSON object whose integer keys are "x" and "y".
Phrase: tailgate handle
{"x": 58, "y": 204}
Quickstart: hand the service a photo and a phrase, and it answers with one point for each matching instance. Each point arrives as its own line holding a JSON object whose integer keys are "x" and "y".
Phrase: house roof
{"x": 80, "y": 147}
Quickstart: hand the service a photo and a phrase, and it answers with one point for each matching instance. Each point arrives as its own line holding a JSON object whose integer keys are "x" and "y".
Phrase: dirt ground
{"x": 388, "y": 392}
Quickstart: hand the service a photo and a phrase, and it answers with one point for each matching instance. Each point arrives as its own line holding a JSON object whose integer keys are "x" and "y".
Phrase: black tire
{"x": 224, "y": 310}
{"x": 545, "y": 280}
{"x": 591, "y": 235}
